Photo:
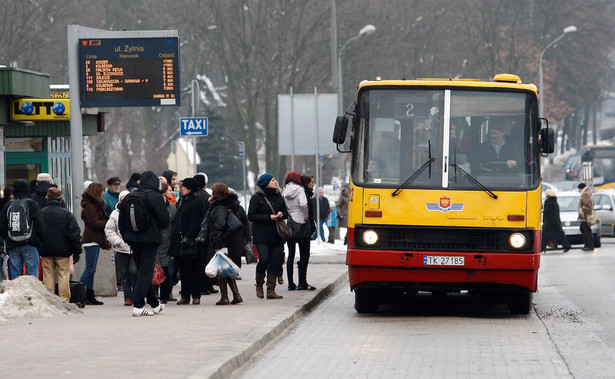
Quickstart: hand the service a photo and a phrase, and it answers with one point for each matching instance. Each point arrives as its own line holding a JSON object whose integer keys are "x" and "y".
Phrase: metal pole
{"x": 292, "y": 130}
{"x": 334, "y": 63}
{"x": 317, "y": 164}
{"x": 245, "y": 184}
{"x": 76, "y": 126}
{"x": 195, "y": 87}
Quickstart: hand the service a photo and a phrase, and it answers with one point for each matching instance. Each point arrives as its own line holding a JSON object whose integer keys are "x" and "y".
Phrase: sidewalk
{"x": 196, "y": 341}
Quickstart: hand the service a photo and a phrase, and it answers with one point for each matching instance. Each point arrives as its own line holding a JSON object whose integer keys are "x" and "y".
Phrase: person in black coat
{"x": 62, "y": 239}
{"x": 552, "y": 224}
{"x": 23, "y": 252}
{"x": 186, "y": 228}
{"x": 269, "y": 245}
{"x": 206, "y": 282}
{"x": 221, "y": 203}
{"x": 145, "y": 244}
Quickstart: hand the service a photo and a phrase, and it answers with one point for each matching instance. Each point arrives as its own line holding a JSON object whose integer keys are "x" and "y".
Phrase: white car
{"x": 568, "y": 212}
{"x": 605, "y": 208}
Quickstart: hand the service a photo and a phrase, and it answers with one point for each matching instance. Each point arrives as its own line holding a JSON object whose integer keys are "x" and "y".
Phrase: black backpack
{"x": 134, "y": 212}
{"x": 19, "y": 220}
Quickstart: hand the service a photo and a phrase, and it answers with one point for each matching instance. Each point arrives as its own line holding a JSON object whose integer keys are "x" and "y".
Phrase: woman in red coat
{"x": 95, "y": 218}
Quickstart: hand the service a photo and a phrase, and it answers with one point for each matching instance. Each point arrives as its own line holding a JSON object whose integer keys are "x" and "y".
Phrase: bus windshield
{"x": 446, "y": 138}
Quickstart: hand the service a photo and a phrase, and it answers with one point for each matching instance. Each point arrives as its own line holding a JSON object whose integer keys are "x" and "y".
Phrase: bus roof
{"x": 501, "y": 81}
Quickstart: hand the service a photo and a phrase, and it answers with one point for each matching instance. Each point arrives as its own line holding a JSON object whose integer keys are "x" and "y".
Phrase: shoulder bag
{"x": 280, "y": 226}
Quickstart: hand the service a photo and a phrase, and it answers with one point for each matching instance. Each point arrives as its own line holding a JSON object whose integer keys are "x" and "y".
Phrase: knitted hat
{"x": 135, "y": 176}
{"x": 86, "y": 184}
{"x": 54, "y": 193}
{"x": 264, "y": 180}
{"x": 113, "y": 180}
{"x": 123, "y": 194}
{"x": 21, "y": 185}
{"x": 43, "y": 177}
{"x": 581, "y": 185}
{"x": 550, "y": 193}
{"x": 191, "y": 184}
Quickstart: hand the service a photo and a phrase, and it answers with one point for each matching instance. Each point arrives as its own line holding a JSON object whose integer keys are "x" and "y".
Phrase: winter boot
{"x": 236, "y": 296}
{"x": 223, "y": 292}
{"x": 260, "y": 280}
{"x": 91, "y": 299}
{"x": 271, "y": 282}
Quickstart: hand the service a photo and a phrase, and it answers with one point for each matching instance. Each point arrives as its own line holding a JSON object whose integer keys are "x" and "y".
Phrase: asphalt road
{"x": 569, "y": 333}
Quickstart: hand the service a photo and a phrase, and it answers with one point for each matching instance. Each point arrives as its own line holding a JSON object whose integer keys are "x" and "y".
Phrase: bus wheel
{"x": 520, "y": 303}
{"x": 366, "y": 300}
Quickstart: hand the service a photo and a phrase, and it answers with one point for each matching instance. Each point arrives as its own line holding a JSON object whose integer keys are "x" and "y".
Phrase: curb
{"x": 228, "y": 367}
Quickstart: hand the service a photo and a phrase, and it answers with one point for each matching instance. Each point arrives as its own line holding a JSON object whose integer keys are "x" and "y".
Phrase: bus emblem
{"x": 445, "y": 205}
{"x": 445, "y": 202}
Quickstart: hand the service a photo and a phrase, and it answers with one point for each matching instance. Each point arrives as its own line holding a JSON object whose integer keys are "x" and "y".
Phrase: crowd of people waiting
{"x": 34, "y": 222}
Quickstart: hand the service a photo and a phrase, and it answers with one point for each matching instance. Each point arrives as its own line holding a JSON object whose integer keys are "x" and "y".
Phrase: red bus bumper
{"x": 391, "y": 267}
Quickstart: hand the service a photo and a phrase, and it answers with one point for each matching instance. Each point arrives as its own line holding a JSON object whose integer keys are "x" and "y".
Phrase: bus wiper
{"x": 417, "y": 172}
{"x": 471, "y": 179}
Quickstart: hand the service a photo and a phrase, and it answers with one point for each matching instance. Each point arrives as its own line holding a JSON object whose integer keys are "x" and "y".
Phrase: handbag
{"x": 105, "y": 244}
{"x": 233, "y": 224}
{"x": 298, "y": 230}
{"x": 249, "y": 253}
{"x": 593, "y": 219}
{"x": 159, "y": 276}
{"x": 280, "y": 225}
{"x": 188, "y": 248}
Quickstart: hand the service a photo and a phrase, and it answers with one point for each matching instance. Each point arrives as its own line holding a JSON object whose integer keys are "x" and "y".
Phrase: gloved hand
{"x": 75, "y": 258}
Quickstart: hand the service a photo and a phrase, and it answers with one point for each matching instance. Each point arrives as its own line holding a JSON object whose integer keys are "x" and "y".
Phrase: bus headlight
{"x": 517, "y": 240}
{"x": 370, "y": 237}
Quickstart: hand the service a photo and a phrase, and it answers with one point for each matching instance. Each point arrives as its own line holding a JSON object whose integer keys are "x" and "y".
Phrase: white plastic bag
{"x": 211, "y": 270}
{"x": 228, "y": 263}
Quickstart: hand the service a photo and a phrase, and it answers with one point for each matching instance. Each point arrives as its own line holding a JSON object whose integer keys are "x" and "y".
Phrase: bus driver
{"x": 495, "y": 155}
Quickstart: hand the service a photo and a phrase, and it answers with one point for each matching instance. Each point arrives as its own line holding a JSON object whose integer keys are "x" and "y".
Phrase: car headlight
{"x": 370, "y": 237}
{"x": 517, "y": 240}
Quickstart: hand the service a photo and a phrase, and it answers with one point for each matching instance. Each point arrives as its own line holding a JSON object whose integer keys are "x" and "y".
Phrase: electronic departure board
{"x": 129, "y": 72}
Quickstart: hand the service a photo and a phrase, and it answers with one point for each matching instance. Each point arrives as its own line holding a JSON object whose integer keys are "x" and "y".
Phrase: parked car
{"x": 572, "y": 167}
{"x": 568, "y": 211}
{"x": 605, "y": 208}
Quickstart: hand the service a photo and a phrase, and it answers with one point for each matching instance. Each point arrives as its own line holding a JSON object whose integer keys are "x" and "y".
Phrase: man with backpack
{"x": 142, "y": 214}
{"x": 23, "y": 228}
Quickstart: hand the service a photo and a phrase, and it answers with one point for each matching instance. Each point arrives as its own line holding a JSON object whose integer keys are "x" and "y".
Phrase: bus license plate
{"x": 437, "y": 260}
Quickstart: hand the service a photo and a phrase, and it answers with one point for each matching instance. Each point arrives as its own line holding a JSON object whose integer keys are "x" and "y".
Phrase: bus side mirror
{"x": 547, "y": 139}
{"x": 341, "y": 127}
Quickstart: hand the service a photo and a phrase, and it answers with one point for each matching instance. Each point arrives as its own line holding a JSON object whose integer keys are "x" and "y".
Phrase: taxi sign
{"x": 193, "y": 126}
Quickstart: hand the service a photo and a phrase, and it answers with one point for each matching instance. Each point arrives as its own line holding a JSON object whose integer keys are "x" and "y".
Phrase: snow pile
{"x": 26, "y": 296}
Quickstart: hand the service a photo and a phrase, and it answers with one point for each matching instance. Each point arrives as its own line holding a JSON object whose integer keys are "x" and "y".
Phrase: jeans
{"x": 321, "y": 230}
{"x": 271, "y": 259}
{"x": 145, "y": 258}
{"x": 91, "y": 261}
{"x": 19, "y": 255}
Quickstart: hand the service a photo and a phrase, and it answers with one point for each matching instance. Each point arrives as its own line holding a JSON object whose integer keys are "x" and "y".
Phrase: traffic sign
{"x": 193, "y": 126}
{"x": 242, "y": 149}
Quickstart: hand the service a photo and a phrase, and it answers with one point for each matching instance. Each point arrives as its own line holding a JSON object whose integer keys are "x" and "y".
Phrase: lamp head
{"x": 570, "y": 29}
{"x": 370, "y": 29}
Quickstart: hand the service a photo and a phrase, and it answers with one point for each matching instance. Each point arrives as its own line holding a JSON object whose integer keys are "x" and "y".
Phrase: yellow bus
{"x": 445, "y": 189}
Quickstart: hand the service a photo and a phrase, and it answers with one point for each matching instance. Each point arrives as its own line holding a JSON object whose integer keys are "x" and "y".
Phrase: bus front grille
{"x": 442, "y": 239}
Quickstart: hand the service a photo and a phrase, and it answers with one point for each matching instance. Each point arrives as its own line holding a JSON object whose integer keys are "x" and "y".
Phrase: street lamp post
{"x": 568, "y": 29}
{"x": 365, "y": 31}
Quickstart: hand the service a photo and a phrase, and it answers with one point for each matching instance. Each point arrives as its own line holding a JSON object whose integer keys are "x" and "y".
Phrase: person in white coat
{"x": 123, "y": 255}
{"x": 298, "y": 210}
